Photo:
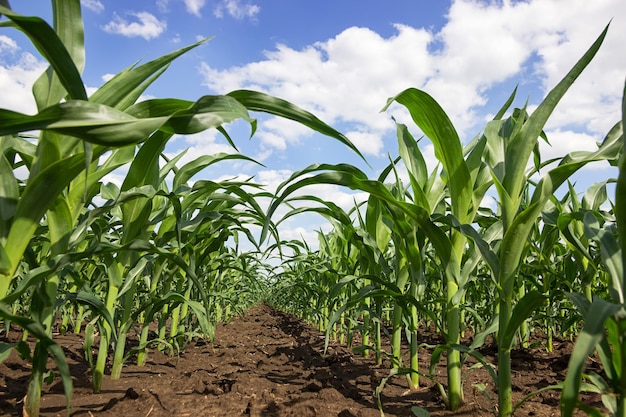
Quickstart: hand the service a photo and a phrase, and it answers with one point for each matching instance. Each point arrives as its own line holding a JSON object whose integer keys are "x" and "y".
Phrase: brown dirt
{"x": 268, "y": 363}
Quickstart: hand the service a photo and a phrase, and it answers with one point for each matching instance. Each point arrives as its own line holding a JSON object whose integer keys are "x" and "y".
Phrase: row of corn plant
{"x": 442, "y": 211}
{"x": 422, "y": 250}
{"x": 79, "y": 140}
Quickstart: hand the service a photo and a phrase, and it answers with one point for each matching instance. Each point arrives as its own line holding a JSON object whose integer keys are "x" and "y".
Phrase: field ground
{"x": 268, "y": 363}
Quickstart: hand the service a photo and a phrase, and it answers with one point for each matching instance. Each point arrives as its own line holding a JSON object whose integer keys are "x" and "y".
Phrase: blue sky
{"x": 342, "y": 59}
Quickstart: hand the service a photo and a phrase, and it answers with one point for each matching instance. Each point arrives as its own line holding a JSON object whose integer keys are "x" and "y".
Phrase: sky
{"x": 341, "y": 60}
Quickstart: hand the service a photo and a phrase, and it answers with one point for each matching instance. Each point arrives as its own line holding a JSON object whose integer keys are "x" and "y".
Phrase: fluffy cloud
{"x": 18, "y": 72}
{"x": 346, "y": 79}
{"x": 8, "y": 45}
{"x": 93, "y": 5}
{"x": 235, "y": 9}
{"x": 147, "y": 26}
{"x": 367, "y": 142}
{"x": 194, "y": 6}
{"x": 551, "y": 33}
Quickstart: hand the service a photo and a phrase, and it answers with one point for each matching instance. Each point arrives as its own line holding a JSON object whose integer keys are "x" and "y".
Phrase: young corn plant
{"x": 76, "y": 131}
{"x": 393, "y": 212}
{"x": 604, "y": 320}
{"x": 510, "y": 144}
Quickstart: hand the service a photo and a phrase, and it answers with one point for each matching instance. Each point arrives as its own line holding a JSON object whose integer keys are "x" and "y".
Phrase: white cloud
{"x": 346, "y": 79}
{"x": 335, "y": 79}
{"x": 369, "y": 143}
{"x": 564, "y": 142}
{"x": 235, "y": 9}
{"x": 147, "y": 26}
{"x": 18, "y": 72}
{"x": 93, "y": 5}
{"x": 277, "y": 132}
{"x": 272, "y": 178}
{"x": 8, "y": 45}
{"x": 505, "y": 37}
{"x": 194, "y": 6}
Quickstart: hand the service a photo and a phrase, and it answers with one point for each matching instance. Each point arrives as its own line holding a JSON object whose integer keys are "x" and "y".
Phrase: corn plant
{"x": 511, "y": 143}
{"x": 76, "y": 131}
{"x": 604, "y": 319}
{"x": 502, "y": 153}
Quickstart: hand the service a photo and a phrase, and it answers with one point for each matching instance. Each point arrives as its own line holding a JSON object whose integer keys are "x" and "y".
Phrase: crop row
{"x": 80, "y": 253}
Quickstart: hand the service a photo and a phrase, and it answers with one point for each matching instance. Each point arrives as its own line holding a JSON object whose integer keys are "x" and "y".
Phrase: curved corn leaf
{"x": 522, "y": 310}
{"x": 592, "y": 334}
{"x": 68, "y": 24}
{"x": 50, "y": 346}
{"x": 434, "y": 122}
{"x": 190, "y": 169}
{"x": 520, "y": 146}
{"x": 257, "y": 101}
{"x": 48, "y": 43}
{"x": 125, "y": 88}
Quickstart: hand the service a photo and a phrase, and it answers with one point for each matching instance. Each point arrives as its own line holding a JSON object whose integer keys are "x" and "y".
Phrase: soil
{"x": 268, "y": 363}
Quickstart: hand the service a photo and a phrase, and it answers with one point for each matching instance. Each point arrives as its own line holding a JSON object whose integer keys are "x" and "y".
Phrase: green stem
{"x": 33, "y": 393}
{"x": 101, "y": 360}
{"x": 396, "y": 337}
{"x": 142, "y": 355}
{"x": 377, "y": 330}
{"x": 524, "y": 327}
{"x": 505, "y": 399}
{"x": 365, "y": 332}
{"x": 105, "y": 338}
{"x": 413, "y": 377}
{"x": 120, "y": 345}
{"x": 455, "y": 384}
{"x": 118, "y": 357}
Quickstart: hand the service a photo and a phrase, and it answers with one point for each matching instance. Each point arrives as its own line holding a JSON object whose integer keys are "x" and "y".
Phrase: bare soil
{"x": 268, "y": 363}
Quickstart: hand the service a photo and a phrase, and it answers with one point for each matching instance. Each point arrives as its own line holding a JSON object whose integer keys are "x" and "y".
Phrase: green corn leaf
{"x": 96, "y": 305}
{"x": 415, "y": 164}
{"x": 5, "y": 3}
{"x": 100, "y": 124}
{"x": 9, "y": 195}
{"x": 620, "y": 194}
{"x": 567, "y": 223}
{"x": 519, "y": 148}
{"x": 5, "y": 351}
{"x": 35, "y": 200}
{"x": 522, "y": 310}
{"x": 55, "y": 351}
{"x": 5, "y": 263}
{"x": 131, "y": 276}
{"x": 126, "y": 87}
{"x": 257, "y": 101}
{"x": 77, "y": 195}
{"x": 611, "y": 255}
{"x": 187, "y": 117}
{"x": 595, "y": 196}
{"x": 48, "y": 43}
{"x": 192, "y": 168}
{"x": 68, "y": 24}
{"x": 434, "y": 122}
{"x": 515, "y": 236}
{"x": 89, "y": 121}
{"x": 592, "y": 333}
{"x": 60, "y": 225}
